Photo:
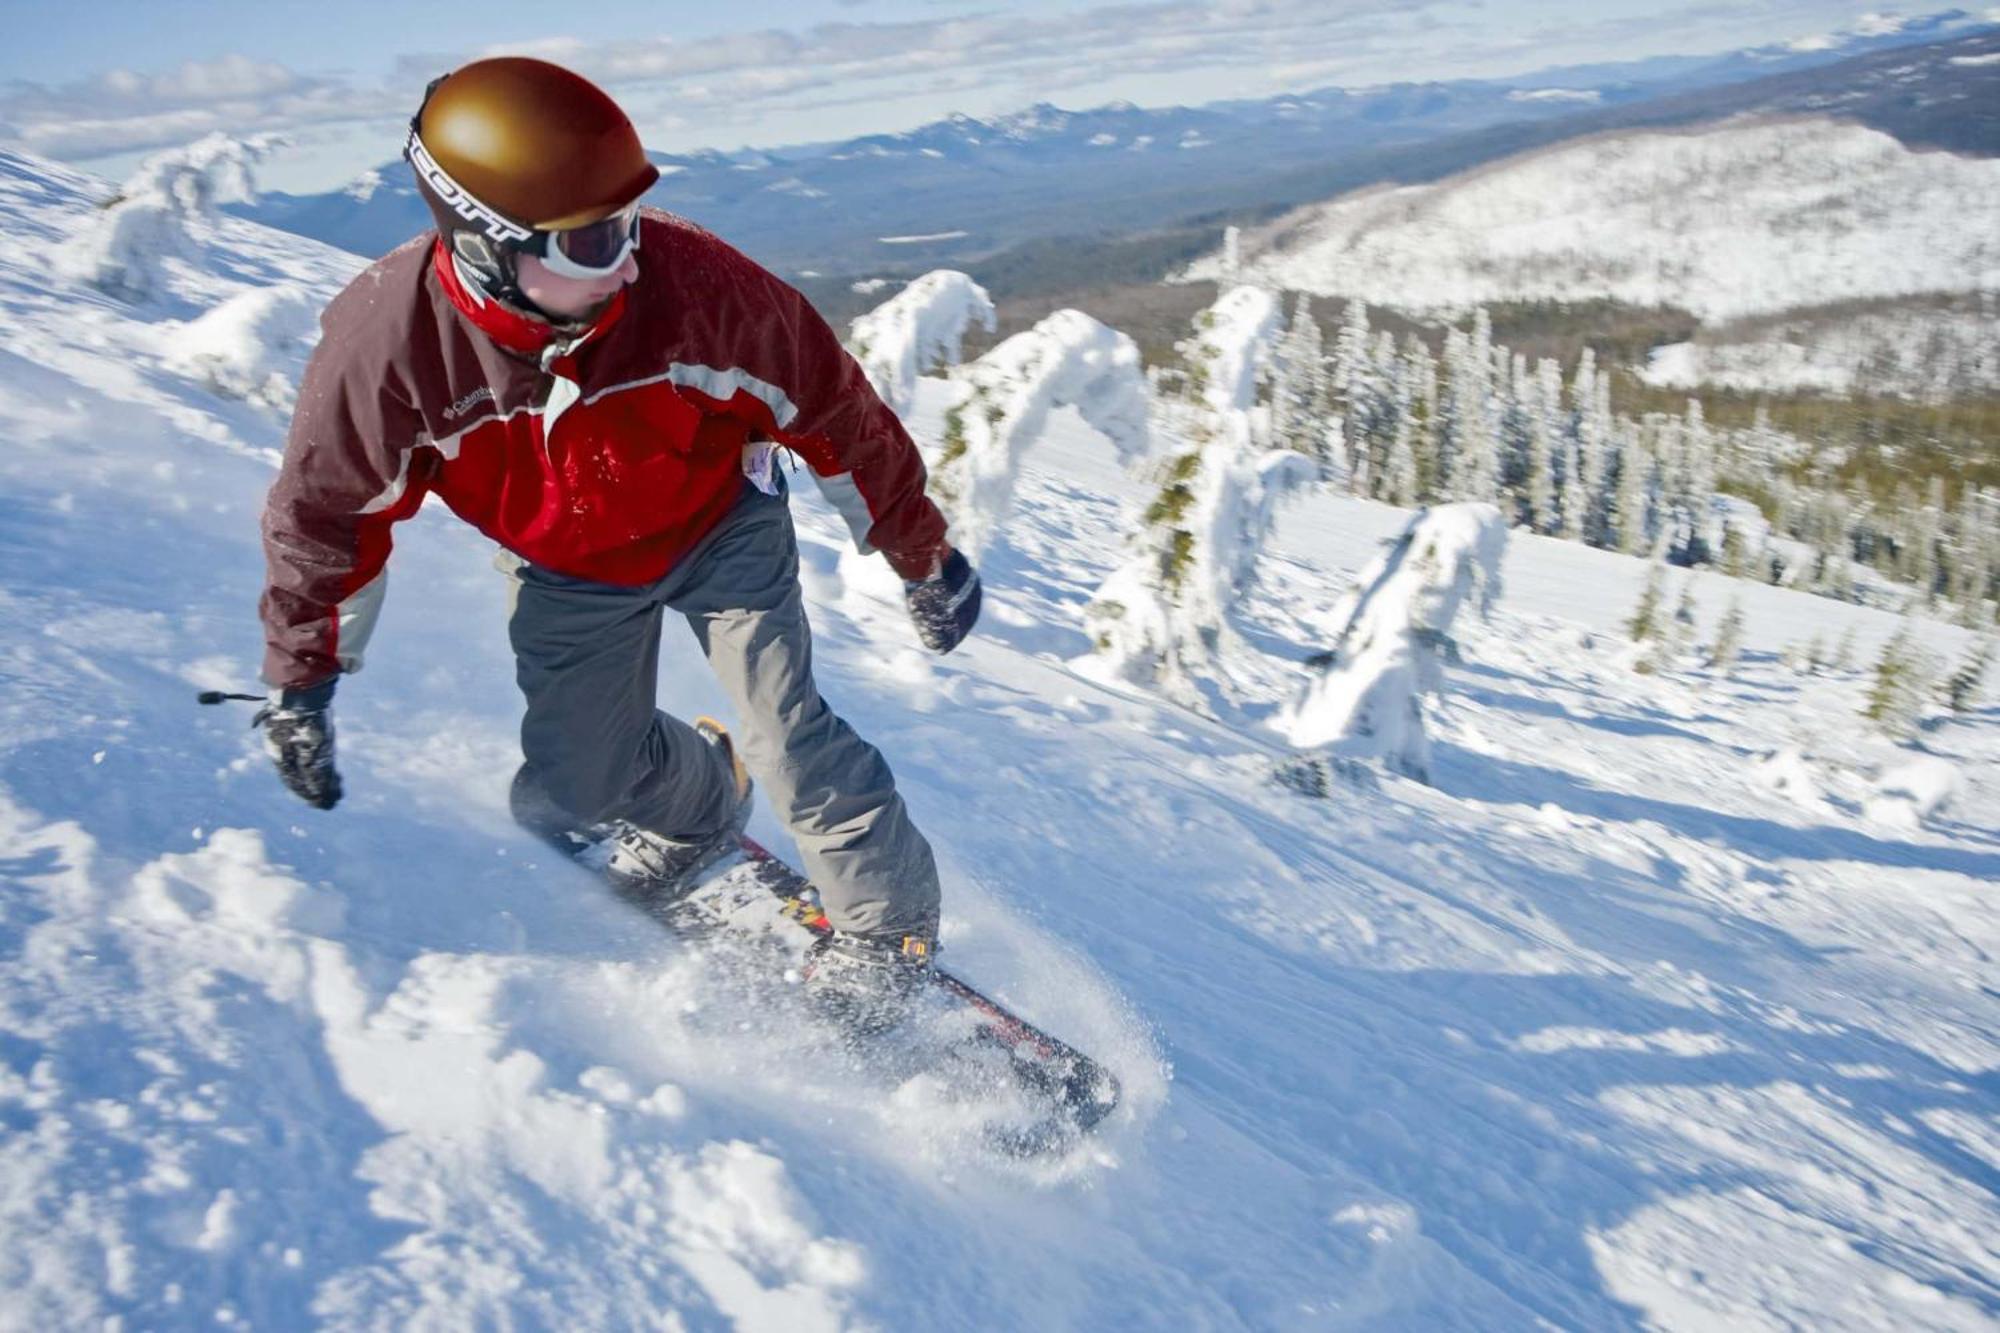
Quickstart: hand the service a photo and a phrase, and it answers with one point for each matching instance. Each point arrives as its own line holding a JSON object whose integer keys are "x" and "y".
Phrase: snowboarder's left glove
{"x": 298, "y": 735}
{"x": 946, "y": 605}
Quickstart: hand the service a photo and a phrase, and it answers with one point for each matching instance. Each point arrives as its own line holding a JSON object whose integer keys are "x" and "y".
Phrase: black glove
{"x": 946, "y": 605}
{"x": 298, "y": 735}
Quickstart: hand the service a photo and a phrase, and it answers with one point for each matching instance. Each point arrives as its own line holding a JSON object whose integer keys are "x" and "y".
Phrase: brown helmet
{"x": 508, "y": 147}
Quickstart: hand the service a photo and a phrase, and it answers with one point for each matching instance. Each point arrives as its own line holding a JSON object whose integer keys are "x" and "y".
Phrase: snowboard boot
{"x": 656, "y": 870}
{"x": 866, "y": 984}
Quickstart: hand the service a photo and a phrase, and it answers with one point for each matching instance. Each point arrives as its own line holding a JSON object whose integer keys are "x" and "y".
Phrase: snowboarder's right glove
{"x": 945, "y": 605}
{"x": 298, "y": 735}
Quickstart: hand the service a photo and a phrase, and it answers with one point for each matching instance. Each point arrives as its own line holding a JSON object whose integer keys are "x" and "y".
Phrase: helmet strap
{"x": 498, "y": 277}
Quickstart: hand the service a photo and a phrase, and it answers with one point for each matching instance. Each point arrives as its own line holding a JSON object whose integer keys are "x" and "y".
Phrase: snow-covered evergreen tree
{"x": 1590, "y": 429}
{"x": 125, "y": 249}
{"x": 1420, "y": 391}
{"x": 1843, "y": 651}
{"x": 1727, "y": 650}
{"x": 1626, "y": 518}
{"x": 1905, "y": 675}
{"x": 1515, "y": 445}
{"x": 1360, "y": 393}
{"x": 1681, "y": 629}
{"x": 917, "y": 330}
{"x": 1377, "y": 404}
{"x": 1469, "y": 415}
{"x": 1962, "y": 687}
{"x": 1974, "y": 553}
{"x": 1647, "y": 618}
{"x": 1673, "y": 635}
{"x": 1366, "y": 699}
{"x": 1398, "y": 479}
{"x": 1003, "y": 403}
{"x": 1161, "y": 616}
{"x": 1543, "y": 408}
{"x": 1299, "y": 392}
{"x": 1689, "y": 485}
{"x": 1923, "y": 527}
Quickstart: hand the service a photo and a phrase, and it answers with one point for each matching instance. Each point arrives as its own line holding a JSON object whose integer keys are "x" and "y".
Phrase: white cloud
{"x": 733, "y": 78}
{"x": 1879, "y": 25}
{"x": 736, "y": 87}
{"x": 122, "y": 110}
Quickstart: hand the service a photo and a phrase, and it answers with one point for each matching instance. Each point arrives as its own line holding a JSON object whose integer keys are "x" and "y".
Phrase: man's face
{"x": 572, "y": 298}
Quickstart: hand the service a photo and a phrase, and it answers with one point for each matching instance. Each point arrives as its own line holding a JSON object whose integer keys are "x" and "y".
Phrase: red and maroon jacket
{"x": 603, "y": 454}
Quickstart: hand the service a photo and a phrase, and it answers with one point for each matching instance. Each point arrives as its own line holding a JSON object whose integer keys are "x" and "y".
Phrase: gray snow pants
{"x": 595, "y": 748}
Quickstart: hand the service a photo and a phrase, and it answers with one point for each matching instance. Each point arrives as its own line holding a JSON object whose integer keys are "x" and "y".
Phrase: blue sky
{"x": 101, "y": 82}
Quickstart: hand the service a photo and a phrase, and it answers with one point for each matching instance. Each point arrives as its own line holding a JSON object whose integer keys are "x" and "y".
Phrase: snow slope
{"x": 1657, "y": 1010}
{"x": 1745, "y": 217}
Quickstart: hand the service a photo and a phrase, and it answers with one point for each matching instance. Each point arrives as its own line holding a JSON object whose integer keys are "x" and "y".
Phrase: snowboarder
{"x": 600, "y": 389}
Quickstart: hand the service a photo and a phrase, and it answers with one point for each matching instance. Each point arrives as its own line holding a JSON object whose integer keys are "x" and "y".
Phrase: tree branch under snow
{"x": 1068, "y": 359}
{"x": 919, "y": 328}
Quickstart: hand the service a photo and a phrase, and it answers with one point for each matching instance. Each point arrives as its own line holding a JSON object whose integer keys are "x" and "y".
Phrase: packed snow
{"x": 1744, "y": 218}
{"x": 1648, "y": 1010}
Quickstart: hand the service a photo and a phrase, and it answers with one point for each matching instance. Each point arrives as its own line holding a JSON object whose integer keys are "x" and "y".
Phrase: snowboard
{"x": 1052, "y": 1094}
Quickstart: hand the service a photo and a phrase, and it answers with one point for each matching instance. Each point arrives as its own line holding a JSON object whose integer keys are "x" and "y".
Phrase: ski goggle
{"x": 594, "y": 250}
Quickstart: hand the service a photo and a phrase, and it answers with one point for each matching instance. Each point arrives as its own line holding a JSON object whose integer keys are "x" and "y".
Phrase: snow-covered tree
{"x": 1681, "y": 629}
{"x": 1397, "y": 478}
{"x": 1974, "y": 554}
{"x": 1003, "y": 403}
{"x": 1962, "y": 687}
{"x": 1647, "y": 620}
{"x": 1905, "y": 675}
{"x": 1625, "y": 520}
{"x": 1360, "y": 393}
{"x": 1161, "y": 616}
{"x": 1469, "y": 415}
{"x": 1843, "y": 650}
{"x": 1688, "y": 486}
{"x": 1542, "y": 407}
{"x": 1417, "y": 398}
{"x": 126, "y": 248}
{"x": 918, "y": 329}
{"x": 1590, "y": 430}
{"x": 1299, "y": 391}
{"x": 1672, "y": 636}
{"x": 1727, "y": 650}
{"x": 1366, "y": 699}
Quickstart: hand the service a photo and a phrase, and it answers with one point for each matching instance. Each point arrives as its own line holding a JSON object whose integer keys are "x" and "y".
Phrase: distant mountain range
{"x": 963, "y": 189}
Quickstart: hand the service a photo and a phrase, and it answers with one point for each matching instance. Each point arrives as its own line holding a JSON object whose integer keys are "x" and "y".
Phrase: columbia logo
{"x": 471, "y": 400}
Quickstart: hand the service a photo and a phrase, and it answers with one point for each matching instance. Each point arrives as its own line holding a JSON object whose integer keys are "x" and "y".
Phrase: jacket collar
{"x": 510, "y": 328}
